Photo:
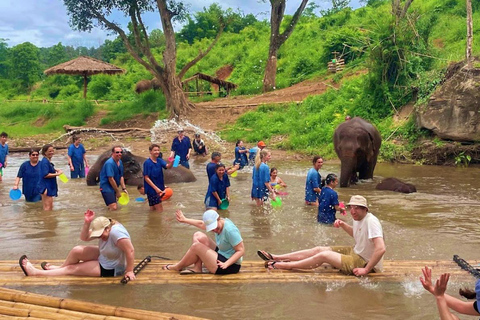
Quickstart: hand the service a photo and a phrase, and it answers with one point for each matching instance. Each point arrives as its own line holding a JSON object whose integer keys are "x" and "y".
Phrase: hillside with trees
{"x": 398, "y": 52}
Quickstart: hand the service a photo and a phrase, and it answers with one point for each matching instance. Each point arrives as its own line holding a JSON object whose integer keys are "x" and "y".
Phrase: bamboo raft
{"x": 251, "y": 272}
{"x": 16, "y": 304}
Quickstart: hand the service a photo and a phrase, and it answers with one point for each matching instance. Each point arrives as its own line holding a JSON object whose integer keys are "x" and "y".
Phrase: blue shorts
{"x": 185, "y": 164}
{"x": 78, "y": 172}
{"x": 109, "y": 198}
{"x": 153, "y": 199}
{"x": 34, "y": 198}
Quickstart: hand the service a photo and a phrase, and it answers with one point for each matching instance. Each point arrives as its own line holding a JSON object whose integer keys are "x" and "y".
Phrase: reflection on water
{"x": 436, "y": 222}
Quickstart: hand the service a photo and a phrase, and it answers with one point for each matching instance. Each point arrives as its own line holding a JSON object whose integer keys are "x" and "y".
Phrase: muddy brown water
{"x": 440, "y": 220}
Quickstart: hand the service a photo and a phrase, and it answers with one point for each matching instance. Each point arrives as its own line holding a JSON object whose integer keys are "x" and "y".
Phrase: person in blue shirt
{"x": 182, "y": 147}
{"x": 211, "y": 166}
{"x": 328, "y": 202}
{"x": 240, "y": 155}
{"x": 29, "y": 172}
{"x": 77, "y": 158}
{"x": 154, "y": 184}
{"x": 253, "y": 152}
{"x": 222, "y": 256}
{"x": 313, "y": 183}
{"x": 261, "y": 187}
{"x": 218, "y": 188}
{"x": 47, "y": 184}
{"x": 111, "y": 179}
{"x": 3, "y": 152}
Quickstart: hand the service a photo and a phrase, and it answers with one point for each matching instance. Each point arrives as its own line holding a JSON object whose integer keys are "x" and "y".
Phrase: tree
{"x": 25, "y": 64}
{"x": 277, "y": 39}
{"x": 3, "y": 58}
{"x": 469, "y": 35}
{"x": 83, "y": 14}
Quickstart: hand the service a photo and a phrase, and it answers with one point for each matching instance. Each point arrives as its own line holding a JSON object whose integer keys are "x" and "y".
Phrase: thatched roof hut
{"x": 84, "y": 66}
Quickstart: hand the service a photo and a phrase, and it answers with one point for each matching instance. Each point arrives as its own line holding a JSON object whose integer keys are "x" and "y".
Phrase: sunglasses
{"x": 118, "y": 151}
{"x": 34, "y": 155}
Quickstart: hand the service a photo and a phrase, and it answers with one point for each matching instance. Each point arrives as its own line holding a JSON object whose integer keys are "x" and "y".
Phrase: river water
{"x": 440, "y": 220}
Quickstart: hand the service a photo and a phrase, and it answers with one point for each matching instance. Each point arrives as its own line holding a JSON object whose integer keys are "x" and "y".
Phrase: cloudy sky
{"x": 45, "y": 22}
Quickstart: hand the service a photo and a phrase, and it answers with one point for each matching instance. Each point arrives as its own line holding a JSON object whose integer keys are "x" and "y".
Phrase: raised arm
{"x": 88, "y": 217}
{"x": 341, "y": 224}
{"x": 194, "y": 222}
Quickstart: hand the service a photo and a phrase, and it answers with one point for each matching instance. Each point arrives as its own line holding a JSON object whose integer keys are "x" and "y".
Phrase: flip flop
{"x": 188, "y": 271}
{"x": 266, "y": 256}
{"x": 167, "y": 267}
{"x": 22, "y": 258}
{"x": 44, "y": 265}
{"x": 270, "y": 264}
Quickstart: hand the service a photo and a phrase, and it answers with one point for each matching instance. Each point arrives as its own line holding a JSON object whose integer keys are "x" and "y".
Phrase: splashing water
{"x": 412, "y": 287}
{"x": 162, "y": 127}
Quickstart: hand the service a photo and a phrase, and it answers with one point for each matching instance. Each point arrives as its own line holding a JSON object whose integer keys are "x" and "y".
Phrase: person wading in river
{"x": 365, "y": 257}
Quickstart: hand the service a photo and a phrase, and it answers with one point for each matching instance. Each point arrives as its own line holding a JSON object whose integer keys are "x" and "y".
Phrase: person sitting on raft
{"x": 222, "y": 256}
{"x": 365, "y": 257}
{"x": 445, "y": 301}
{"x": 114, "y": 255}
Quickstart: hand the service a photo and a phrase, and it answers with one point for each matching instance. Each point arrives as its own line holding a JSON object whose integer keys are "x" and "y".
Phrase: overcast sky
{"x": 45, "y": 22}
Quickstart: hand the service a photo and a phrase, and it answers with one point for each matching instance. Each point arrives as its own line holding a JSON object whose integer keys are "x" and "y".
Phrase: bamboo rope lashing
{"x": 466, "y": 266}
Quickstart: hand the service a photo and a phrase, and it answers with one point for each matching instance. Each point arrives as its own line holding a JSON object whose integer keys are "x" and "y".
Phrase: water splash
{"x": 412, "y": 287}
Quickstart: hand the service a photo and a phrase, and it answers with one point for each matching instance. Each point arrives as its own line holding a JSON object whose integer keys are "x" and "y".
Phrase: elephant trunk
{"x": 347, "y": 171}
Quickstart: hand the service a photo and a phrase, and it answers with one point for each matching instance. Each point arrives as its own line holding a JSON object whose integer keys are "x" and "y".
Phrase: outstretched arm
{"x": 194, "y": 222}
{"x": 341, "y": 224}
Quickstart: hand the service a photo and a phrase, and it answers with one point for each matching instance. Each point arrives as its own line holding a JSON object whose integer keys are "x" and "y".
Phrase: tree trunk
{"x": 469, "y": 34}
{"x": 177, "y": 102}
{"x": 270, "y": 71}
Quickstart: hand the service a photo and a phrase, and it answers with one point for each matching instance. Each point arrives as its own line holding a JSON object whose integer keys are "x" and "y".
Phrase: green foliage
{"x": 463, "y": 159}
{"x": 25, "y": 66}
{"x": 28, "y": 118}
{"x": 148, "y": 102}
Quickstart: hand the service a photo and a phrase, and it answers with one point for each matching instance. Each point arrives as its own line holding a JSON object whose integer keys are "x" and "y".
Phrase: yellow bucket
{"x": 63, "y": 178}
{"x": 124, "y": 199}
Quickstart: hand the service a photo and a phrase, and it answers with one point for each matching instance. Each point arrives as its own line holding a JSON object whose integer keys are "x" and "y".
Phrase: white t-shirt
{"x": 364, "y": 231}
{"x": 111, "y": 256}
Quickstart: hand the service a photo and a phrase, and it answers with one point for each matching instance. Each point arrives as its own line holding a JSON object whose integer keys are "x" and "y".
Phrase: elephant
{"x": 145, "y": 85}
{"x": 394, "y": 184}
{"x": 357, "y": 143}
{"x": 133, "y": 173}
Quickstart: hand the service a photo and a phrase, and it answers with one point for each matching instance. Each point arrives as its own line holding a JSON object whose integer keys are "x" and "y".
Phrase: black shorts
{"x": 106, "y": 272}
{"x": 234, "y": 268}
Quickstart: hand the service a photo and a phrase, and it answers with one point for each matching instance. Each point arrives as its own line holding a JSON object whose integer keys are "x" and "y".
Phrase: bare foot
{"x": 169, "y": 267}
{"x": 27, "y": 267}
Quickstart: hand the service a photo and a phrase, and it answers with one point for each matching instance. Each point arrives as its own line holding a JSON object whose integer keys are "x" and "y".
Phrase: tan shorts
{"x": 350, "y": 260}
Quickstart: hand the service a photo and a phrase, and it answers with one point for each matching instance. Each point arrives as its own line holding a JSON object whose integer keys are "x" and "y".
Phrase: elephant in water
{"x": 357, "y": 144}
{"x": 133, "y": 173}
{"x": 394, "y": 184}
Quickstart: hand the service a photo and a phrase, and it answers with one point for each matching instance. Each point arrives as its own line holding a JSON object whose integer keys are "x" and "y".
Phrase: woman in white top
{"x": 114, "y": 255}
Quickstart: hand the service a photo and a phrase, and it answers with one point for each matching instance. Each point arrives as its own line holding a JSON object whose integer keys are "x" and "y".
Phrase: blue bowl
{"x": 15, "y": 194}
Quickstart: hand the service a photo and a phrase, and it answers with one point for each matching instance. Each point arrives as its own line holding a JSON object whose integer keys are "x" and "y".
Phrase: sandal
{"x": 45, "y": 265}
{"x": 167, "y": 267}
{"x": 266, "y": 256}
{"x": 270, "y": 264}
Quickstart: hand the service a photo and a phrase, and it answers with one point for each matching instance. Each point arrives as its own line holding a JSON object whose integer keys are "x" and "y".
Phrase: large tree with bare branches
{"x": 86, "y": 14}
{"x": 277, "y": 38}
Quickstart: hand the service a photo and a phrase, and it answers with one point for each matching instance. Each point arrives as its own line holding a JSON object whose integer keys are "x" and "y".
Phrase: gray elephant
{"x": 394, "y": 184}
{"x": 357, "y": 143}
{"x": 133, "y": 173}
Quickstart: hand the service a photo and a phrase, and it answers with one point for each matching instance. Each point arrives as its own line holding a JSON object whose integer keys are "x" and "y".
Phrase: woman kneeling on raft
{"x": 224, "y": 256}
{"x": 113, "y": 256}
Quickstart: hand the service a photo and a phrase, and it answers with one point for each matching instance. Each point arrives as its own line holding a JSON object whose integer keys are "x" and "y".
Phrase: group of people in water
{"x": 114, "y": 254}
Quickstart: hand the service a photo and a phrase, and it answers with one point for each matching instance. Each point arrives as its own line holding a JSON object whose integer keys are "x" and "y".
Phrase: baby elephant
{"x": 393, "y": 184}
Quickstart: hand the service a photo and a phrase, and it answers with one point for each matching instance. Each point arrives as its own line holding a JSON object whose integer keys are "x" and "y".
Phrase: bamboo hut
{"x": 228, "y": 86}
{"x": 84, "y": 66}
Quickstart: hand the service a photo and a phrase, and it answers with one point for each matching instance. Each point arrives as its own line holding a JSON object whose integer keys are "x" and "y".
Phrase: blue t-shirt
{"x": 252, "y": 155}
{"x": 3, "y": 153}
{"x": 211, "y": 170}
{"x": 326, "y": 207}
{"x": 45, "y": 167}
{"x": 227, "y": 239}
{"x": 110, "y": 169}
{"x": 30, "y": 175}
{"x": 240, "y": 158}
{"x": 314, "y": 180}
{"x": 155, "y": 172}
{"x": 181, "y": 147}
{"x": 76, "y": 153}
{"x": 218, "y": 186}
{"x": 260, "y": 177}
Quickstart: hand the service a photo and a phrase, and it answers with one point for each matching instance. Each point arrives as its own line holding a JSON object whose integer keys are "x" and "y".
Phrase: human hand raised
{"x": 89, "y": 215}
{"x": 180, "y": 216}
{"x": 426, "y": 280}
{"x": 441, "y": 285}
{"x": 338, "y": 223}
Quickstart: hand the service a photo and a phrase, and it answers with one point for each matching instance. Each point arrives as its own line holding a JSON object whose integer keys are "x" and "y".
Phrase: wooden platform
{"x": 252, "y": 272}
{"x": 16, "y": 304}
